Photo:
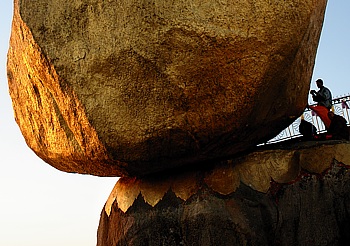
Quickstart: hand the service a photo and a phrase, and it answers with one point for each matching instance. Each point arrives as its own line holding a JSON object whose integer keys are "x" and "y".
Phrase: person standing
{"x": 323, "y": 96}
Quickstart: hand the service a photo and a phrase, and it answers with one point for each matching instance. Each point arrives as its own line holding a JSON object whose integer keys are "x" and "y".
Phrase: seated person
{"x": 307, "y": 129}
{"x": 338, "y": 128}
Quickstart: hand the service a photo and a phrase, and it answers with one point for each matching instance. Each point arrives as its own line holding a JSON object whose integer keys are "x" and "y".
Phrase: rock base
{"x": 311, "y": 209}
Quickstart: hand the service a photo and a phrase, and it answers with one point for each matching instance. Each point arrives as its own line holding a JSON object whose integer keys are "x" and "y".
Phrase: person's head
{"x": 330, "y": 115}
{"x": 319, "y": 83}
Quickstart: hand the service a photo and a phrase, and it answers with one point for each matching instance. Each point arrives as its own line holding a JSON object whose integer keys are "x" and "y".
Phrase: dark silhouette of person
{"x": 323, "y": 96}
{"x": 338, "y": 128}
{"x": 307, "y": 129}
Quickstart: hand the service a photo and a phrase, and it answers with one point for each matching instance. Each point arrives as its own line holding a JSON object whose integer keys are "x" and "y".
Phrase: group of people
{"x": 335, "y": 124}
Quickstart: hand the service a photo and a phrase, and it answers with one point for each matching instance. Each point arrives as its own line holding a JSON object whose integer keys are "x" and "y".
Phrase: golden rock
{"x": 129, "y": 88}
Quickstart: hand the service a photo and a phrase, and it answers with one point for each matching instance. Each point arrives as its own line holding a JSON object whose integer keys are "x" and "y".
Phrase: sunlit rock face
{"x": 295, "y": 195}
{"x": 114, "y": 88}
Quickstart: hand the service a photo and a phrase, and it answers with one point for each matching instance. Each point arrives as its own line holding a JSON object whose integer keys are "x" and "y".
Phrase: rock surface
{"x": 302, "y": 205}
{"x": 114, "y": 88}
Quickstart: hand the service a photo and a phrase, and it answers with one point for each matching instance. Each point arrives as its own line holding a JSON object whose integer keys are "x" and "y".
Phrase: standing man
{"x": 323, "y": 96}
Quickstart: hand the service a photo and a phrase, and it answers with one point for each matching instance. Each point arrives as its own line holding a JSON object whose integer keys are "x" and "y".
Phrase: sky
{"x": 41, "y": 206}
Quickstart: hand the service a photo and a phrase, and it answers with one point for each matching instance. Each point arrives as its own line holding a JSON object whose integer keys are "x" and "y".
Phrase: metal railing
{"x": 340, "y": 107}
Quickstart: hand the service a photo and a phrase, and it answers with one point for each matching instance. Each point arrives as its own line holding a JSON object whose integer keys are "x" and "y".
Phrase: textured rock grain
{"x": 135, "y": 87}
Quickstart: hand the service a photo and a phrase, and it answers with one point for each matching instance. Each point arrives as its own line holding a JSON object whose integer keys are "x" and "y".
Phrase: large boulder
{"x": 115, "y": 88}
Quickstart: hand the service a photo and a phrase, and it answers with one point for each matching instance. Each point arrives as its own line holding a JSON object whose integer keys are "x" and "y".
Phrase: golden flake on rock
{"x": 111, "y": 198}
{"x": 223, "y": 179}
{"x": 342, "y": 153}
{"x": 317, "y": 159}
{"x": 255, "y": 175}
{"x": 283, "y": 166}
{"x": 153, "y": 190}
{"x": 125, "y": 192}
{"x": 185, "y": 185}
